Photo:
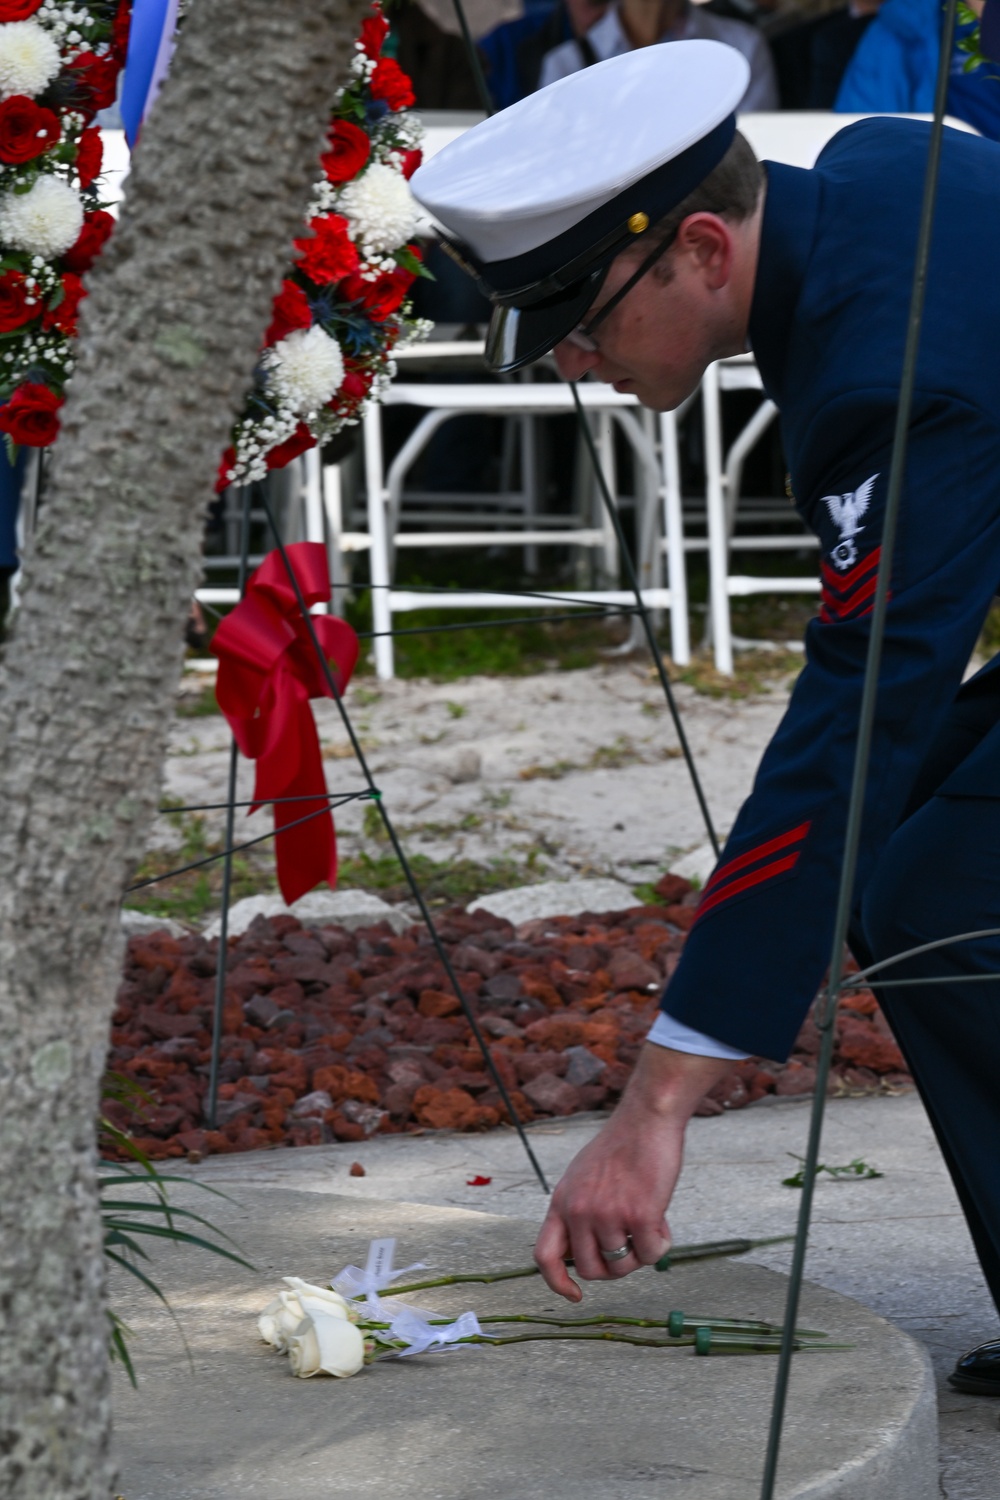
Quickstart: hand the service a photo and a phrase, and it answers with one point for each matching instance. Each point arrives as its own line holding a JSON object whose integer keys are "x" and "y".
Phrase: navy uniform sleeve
{"x": 761, "y": 942}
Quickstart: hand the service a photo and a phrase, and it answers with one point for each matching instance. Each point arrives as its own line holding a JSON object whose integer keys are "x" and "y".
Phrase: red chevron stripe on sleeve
{"x": 760, "y": 851}
{"x": 727, "y": 880}
{"x": 745, "y": 882}
{"x": 843, "y": 595}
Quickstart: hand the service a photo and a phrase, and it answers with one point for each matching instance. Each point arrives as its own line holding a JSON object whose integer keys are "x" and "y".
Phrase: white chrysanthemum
{"x": 380, "y": 210}
{"x": 29, "y": 58}
{"x": 307, "y": 367}
{"x": 45, "y": 220}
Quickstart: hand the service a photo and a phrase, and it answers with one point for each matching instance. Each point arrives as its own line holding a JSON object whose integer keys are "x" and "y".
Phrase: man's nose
{"x": 573, "y": 362}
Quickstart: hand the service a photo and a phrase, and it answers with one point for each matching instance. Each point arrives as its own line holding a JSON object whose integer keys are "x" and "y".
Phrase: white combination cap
{"x": 541, "y": 197}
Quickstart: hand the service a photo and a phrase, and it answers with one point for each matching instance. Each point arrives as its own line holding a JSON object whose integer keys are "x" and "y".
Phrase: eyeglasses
{"x": 582, "y": 336}
{"x": 581, "y": 339}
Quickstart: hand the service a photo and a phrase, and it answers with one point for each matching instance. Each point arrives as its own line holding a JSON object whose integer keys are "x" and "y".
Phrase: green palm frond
{"x": 144, "y": 1212}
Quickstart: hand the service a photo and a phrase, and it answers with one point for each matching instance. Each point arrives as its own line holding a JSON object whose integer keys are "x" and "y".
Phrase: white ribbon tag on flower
{"x": 377, "y": 1275}
{"x": 415, "y": 1331}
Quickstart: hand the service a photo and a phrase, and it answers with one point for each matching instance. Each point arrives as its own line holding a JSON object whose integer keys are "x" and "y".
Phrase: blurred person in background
{"x": 431, "y": 56}
{"x": 894, "y": 69}
{"x": 630, "y": 24}
{"x": 812, "y": 54}
{"x": 513, "y": 53}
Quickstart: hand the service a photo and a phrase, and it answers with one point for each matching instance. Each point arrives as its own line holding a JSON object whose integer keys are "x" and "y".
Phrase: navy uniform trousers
{"x": 939, "y": 875}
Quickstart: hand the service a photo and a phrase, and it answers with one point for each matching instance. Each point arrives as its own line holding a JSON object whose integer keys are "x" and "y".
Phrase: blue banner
{"x": 150, "y": 46}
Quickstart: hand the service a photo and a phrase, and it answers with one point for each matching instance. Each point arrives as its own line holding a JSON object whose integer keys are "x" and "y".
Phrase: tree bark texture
{"x": 170, "y": 332}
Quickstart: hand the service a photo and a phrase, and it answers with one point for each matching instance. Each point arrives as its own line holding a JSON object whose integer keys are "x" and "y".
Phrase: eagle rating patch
{"x": 846, "y": 512}
{"x": 849, "y": 569}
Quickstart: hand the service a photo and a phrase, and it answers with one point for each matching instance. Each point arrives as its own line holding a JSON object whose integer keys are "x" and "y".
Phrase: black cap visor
{"x": 519, "y": 335}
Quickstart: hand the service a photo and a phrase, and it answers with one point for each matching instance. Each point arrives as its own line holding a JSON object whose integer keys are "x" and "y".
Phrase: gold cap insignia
{"x": 638, "y": 223}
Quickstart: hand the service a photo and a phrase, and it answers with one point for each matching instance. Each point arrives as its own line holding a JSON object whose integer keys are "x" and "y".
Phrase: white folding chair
{"x": 308, "y": 507}
{"x": 440, "y": 403}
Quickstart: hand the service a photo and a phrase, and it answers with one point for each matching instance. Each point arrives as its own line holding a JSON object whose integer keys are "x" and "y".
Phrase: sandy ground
{"x": 581, "y": 770}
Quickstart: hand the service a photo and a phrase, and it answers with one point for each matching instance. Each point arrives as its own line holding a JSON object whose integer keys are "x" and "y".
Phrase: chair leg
{"x": 585, "y": 502}
{"x": 379, "y": 555}
{"x": 312, "y": 504}
{"x": 718, "y": 550}
{"x": 606, "y": 451}
{"x": 529, "y": 487}
{"x": 333, "y": 508}
{"x": 673, "y": 531}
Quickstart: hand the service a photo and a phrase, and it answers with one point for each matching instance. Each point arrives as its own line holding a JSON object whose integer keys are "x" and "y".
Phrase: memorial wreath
{"x": 59, "y": 65}
{"x": 343, "y": 306}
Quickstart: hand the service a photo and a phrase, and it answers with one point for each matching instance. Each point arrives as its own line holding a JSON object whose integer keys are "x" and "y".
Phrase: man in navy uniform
{"x": 619, "y": 219}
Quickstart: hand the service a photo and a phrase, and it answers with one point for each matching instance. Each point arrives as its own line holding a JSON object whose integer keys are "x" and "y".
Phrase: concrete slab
{"x": 556, "y": 898}
{"x": 350, "y": 909}
{"x": 591, "y": 1421}
{"x": 899, "y": 1243}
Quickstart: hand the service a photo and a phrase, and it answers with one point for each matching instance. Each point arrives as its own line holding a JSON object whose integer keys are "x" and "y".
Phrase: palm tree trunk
{"x": 170, "y": 333}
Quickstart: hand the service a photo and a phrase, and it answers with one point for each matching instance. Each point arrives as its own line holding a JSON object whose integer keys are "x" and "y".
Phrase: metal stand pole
{"x": 866, "y": 722}
{"x": 404, "y": 863}
{"x": 227, "y": 864}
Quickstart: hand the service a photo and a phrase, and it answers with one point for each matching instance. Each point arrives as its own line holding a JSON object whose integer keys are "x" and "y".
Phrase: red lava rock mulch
{"x": 331, "y": 1035}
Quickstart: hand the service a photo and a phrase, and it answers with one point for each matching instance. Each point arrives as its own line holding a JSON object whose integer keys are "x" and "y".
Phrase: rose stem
{"x": 713, "y": 1248}
{"x": 678, "y": 1340}
{"x": 719, "y": 1325}
{"x": 714, "y": 1346}
{"x": 709, "y": 1346}
{"x": 675, "y": 1256}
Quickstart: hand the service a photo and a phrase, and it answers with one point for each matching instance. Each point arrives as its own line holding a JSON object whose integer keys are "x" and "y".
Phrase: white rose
{"x": 268, "y": 1326}
{"x": 326, "y": 1345}
{"x": 46, "y": 220}
{"x": 310, "y": 1296}
{"x": 280, "y": 1320}
{"x": 29, "y": 58}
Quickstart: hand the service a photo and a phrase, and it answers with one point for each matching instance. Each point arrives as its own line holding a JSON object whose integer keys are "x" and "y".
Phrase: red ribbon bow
{"x": 268, "y": 671}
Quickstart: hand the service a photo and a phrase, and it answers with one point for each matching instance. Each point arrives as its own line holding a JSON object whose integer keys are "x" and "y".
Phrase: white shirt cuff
{"x": 666, "y": 1032}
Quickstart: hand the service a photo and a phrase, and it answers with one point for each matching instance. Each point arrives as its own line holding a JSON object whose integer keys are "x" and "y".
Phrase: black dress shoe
{"x": 978, "y": 1372}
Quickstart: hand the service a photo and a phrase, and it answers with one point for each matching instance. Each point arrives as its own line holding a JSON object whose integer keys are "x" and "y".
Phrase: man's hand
{"x": 617, "y": 1190}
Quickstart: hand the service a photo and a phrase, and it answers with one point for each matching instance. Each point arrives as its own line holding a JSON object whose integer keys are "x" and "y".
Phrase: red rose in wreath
{"x": 411, "y": 161}
{"x": 18, "y": 10}
{"x": 89, "y": 156}
{"x": 29, "y": 417}
{"x": 390, "y": 83}
{"x": 289, "y": 311}
{"x": 26, "y": 129}
{"x": 65, "y": 315}
{"x": 300, "y": 440}
{"x": 15, "y": 310}
{"x": 374, "y": 30}
{"x": 349, "y": 149}
{"x": 96, "y": 79}
{"x": 329, "y": 253}
{"x": 226, "y": 465}
{"x": 120, "y": 28}
{"x": 382, "y": 297}
{"x": 353, "y": 388}
{"x": 97, "y": 227}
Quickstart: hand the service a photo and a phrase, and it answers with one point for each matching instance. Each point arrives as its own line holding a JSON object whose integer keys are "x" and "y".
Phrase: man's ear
{"x": 708, "y": 241}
